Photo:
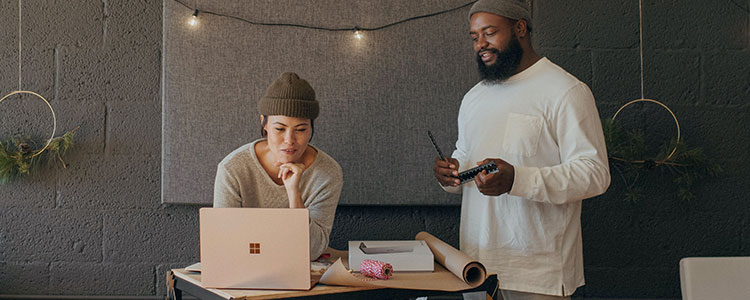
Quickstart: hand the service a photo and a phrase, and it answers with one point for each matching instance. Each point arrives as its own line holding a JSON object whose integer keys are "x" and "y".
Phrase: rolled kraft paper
{"x": 376, "y": 269}
{"x": 458, "y": 263}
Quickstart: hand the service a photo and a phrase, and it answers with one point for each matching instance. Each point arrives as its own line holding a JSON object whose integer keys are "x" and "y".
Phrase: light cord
{"x": 355, "y": 28}
{"x": 19, "y": 45}
{"x": 643, "y": 96}
{"x": 21, "y": 91}
{"x": 640, "y": 45}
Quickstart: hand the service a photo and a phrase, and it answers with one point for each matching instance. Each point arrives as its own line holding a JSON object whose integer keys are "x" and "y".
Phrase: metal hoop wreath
{"x": 54, "y": 119}
{"x": 670, "y": 112}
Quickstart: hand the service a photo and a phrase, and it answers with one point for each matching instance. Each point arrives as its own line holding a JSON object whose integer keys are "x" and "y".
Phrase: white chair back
{"x": 715, "y": 278}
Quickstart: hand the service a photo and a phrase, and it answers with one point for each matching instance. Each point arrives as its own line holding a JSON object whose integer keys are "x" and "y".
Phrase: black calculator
{"x": 469, "y": 174}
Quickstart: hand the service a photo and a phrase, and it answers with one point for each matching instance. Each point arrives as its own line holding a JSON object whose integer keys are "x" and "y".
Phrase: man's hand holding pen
{"x": 446, "y": 171}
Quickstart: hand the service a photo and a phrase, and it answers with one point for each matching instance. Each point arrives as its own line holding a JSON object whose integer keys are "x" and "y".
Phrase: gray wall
{"x": 97, "y": 227}
{"x": 378, "y": 94}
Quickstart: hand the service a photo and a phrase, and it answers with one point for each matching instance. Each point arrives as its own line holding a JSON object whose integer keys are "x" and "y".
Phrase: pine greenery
{"x": 17, "y": 156}
{"x": 626, "y": 151}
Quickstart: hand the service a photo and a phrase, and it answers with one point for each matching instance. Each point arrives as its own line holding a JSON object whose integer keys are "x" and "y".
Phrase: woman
{"x": 282, "y": 169}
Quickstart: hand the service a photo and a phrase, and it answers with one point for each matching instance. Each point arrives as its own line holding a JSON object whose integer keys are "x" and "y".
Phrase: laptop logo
{"x": 254, "y": 248}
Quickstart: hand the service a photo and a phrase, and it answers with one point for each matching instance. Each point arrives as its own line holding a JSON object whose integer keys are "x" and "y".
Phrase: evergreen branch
{"x": 18, "y": 158}
{"x": 626, "y": 151}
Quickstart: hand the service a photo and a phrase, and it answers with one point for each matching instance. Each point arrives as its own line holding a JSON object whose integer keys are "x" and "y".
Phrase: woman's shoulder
{"x": 240, "y": 156}
{"x": 326, "y": 165}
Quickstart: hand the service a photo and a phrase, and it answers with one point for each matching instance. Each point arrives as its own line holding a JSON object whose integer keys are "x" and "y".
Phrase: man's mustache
{"x": 491, "y": 50}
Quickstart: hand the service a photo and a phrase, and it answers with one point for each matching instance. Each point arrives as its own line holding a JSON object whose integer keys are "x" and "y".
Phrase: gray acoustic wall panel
{"x": 379, "y": 94}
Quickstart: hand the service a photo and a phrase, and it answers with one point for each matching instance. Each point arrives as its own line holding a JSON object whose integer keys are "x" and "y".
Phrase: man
{"x": 540, "y": 126}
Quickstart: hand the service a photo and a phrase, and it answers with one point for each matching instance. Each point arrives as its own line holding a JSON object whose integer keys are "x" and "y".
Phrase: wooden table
{"x": 179, "y": 281}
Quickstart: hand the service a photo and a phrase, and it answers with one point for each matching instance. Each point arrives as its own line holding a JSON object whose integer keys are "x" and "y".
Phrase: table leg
{"x": 172, "y": 292}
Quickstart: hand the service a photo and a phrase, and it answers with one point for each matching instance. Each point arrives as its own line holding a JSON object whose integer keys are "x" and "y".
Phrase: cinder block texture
{"x": 673, "y": 77}
{"x": 134, "y": 279}
{"x": 721, "y": 132}
{"x": 35, "y": 191}
{"x": 47, "y": 235}
{"x": 394, "y": 223}
{"x": 117, "y": 182}
{"x": 90, "y": 118}
{"x": 727, "y": 78}
{"x": 134, "y": 25}
{"x": 128, "y": 81}
{"x": 37, "y": 69}
{"x": 585, "y": 24}
{"x": 368, "y": 223}
{"x": 577, "y": 63}
{"x": 27, "y": 118}
{"x": 443, "y": 222}
{"x": 110, "y": 75}
{"x": 47, "y": 24}
{"x": 615, "y": 76}
{"x": 696, "y": 24}
{"x": 613, "y": 282}
{"x": 152, "y": 236}
{"x": 658, "y": 239}
{"x": 83, "y": 74}
{"x": 21, "y": 278}
{"x": 135, "y": 128}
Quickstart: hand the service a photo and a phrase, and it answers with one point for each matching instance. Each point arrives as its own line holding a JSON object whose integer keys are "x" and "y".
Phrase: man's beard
{"x": 506, "y": 62}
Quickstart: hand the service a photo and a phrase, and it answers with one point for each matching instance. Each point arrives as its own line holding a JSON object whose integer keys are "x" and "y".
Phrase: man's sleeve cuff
{"x": 451, "y": 189}
{"x": 523, "y": 182}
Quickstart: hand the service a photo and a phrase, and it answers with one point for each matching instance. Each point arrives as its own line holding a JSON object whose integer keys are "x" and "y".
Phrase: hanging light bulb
{"x": 194, "y": 19}
{"x": 357, "y": 33}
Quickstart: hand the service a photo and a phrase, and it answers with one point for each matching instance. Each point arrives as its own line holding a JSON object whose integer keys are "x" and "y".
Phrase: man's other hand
{"x": 498, "y": 183}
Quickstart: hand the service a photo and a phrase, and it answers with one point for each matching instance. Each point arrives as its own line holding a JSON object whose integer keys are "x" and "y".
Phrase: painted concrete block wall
{"x": 97, "y": 227}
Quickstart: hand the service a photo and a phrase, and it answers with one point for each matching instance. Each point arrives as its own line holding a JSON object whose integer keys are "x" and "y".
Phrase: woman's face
{"x": 288, "y": 137}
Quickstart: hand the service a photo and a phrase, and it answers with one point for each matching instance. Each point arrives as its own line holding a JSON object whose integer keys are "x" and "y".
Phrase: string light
{"x": 194, "y": 19}
{"x": 357, "y": 30}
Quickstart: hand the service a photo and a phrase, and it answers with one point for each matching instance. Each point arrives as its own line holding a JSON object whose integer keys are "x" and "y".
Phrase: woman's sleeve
{"x": 322, "y": 207}
{"x": 226, "y": 189}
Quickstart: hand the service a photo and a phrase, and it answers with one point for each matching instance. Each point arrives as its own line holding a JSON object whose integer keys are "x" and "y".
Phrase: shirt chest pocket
{"x": 522, "y": 133}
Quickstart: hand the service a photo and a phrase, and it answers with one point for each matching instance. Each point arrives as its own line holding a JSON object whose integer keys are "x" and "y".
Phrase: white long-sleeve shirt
{"x": 544, "y": 122}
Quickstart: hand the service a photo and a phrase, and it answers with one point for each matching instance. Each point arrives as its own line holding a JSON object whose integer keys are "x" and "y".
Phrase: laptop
{"x": 255, "y": 248}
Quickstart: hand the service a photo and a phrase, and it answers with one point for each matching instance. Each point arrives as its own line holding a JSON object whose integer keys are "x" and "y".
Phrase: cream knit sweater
{"x": 242, "y": 182}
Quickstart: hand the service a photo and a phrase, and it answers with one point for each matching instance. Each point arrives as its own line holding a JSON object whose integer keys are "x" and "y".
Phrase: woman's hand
{"x": 290, "y": 174}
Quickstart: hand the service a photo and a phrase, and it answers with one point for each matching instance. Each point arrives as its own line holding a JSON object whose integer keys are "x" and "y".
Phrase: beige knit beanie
{"x": 511, "y": 9}
{"x": 289, "y": 96}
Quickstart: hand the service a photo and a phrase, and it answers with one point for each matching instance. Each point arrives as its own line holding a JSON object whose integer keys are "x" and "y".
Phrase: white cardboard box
{"x": 419, "y": 259}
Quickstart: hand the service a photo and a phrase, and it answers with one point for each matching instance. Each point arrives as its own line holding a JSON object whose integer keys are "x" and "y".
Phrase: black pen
{"x": 432, "y": 139}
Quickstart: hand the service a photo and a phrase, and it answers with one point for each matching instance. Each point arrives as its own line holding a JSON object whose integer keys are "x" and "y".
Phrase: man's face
{"x": 496, "y": 45}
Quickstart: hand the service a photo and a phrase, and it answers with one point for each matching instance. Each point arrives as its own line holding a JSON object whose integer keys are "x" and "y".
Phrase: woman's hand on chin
{"x": 290, "y": 174}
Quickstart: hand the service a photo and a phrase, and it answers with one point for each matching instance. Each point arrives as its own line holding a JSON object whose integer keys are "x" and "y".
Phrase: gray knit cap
{"x": 511, "y": 9}
{"x": 289, "y": 96}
